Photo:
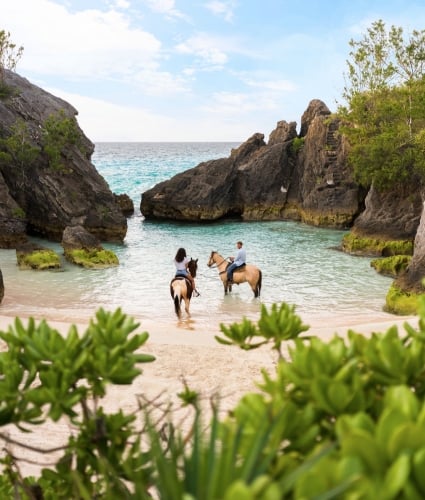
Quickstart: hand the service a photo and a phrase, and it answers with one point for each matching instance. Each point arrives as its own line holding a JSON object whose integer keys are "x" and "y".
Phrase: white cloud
{"x": 166, "y": 7}
{"x": 122, "y": 4}
{"x": 159, "y": 83}
{"x": 206, "y": 48}
{"x": 78, "y": 45}
{"x": 222, "y": 8}
{"x": 104, "y": 121}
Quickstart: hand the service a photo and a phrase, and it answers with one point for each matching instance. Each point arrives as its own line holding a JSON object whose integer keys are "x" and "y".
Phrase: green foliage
{"x": 297, "y": 144}
{"x": 391, "y": 266}
{"x": 276, "y": 326}
{"x": 59, "y": 132}
{"x": 341, "y": 419}
{"x": 9, "y": 53}
{"x": 17, "y": 150}
{"x": 19, "y": 213}
{"x": 385, "y": 112}
{"x": 92, "y": 258}
{"x": 401, "y": 302}
{"x": 47, "y": 377}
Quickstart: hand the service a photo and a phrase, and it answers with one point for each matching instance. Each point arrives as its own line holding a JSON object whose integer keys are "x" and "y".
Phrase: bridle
{"x": 217, "y": 264}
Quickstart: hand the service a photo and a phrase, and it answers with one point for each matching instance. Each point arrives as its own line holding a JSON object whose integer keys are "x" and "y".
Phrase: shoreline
{"x": 190, "y": 331}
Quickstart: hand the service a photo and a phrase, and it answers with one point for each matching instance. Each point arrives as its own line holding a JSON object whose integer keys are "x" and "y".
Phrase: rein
{"x": 213, "y": 266}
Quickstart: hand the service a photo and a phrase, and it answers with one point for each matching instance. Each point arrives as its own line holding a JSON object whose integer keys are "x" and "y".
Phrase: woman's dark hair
{"x": 180, "y": 255}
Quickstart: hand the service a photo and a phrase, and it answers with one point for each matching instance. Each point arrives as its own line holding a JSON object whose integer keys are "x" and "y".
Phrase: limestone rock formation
{"x": 411, "y": 280}
{"x": 84, "y": 249}
{"x": 295, "y": 177}
{"x": 125, "y": 203}
{"x": 41, "y": 196}
{"x": 392, "y": 215}
{"x": 32, "y": 256}
{"x": 1, "y": 287}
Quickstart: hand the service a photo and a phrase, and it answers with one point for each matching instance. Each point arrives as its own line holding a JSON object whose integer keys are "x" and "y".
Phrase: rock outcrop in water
{"x": 301, "y": 177}
{"x": 47, "y": 181}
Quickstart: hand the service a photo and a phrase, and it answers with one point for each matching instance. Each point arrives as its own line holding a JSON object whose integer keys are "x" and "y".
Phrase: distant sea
{"x": 301, "y": 264}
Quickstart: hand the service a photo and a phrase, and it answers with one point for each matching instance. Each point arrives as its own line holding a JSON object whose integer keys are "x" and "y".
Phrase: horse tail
{"x": 177, "y": 304}
{"x": 258, "y": 287}
{"x": 177, "y": 300}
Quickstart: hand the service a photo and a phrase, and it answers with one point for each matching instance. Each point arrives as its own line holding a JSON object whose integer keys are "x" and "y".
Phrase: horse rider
{"x": 237, "y": 261}
{"x": 181, "y": 260}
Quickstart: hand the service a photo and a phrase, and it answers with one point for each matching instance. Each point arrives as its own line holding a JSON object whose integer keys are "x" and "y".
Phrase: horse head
{"x": 211, "y": 260}
{"x": 193, "y": 266}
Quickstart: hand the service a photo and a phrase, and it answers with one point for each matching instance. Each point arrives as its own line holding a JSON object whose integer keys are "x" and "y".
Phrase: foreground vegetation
{"x": 337, "y": 419}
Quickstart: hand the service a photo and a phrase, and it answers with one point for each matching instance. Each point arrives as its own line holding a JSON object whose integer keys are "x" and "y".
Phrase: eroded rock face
{"x": 13, "y": 223}
{"x": 392, "y": 215}
{"x": 411, "y": 280}
{"x": 1, "y": 287}
{"x": 50, "y": 197}
{"x": 84, "y": 249}
{"x": 307, "y": 180}
{"x": 77, "y": 237}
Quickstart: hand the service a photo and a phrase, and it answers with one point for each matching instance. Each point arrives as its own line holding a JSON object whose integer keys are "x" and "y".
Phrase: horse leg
{"x": 186, "y": 306}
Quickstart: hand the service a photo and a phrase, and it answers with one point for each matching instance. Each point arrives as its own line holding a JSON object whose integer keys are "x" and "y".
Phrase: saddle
{"x": 239, "y": 268}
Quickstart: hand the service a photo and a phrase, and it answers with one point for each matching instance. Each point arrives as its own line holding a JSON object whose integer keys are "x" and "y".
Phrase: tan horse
{"x": 181, "y": 289}
{"x": 247, "y": 273}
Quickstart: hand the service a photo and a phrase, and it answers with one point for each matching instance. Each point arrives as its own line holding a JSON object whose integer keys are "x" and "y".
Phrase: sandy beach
{"x": 186, "y": 355}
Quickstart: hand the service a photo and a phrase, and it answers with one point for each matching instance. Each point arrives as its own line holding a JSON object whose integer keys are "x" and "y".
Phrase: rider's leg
{"x": 230, "y": 270}
{"x": 192, "y": 280}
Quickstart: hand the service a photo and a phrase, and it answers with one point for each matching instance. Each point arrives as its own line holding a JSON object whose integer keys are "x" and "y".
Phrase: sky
{"x": 186, "y": 70}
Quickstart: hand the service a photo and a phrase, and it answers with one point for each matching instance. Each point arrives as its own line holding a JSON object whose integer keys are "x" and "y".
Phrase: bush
{"x": 337, "y": 419}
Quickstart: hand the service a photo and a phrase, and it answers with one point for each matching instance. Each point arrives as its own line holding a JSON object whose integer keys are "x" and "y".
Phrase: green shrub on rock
{"x": 40, "y": 259}
{"x": 93, "y": 259}
{"x": 391, "y": 266}
{"x": 374, "y": 246}
{"x": 401, "y": 302}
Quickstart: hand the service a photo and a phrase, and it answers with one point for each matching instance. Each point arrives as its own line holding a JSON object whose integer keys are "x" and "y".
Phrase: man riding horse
{"x": 238, "y": 261}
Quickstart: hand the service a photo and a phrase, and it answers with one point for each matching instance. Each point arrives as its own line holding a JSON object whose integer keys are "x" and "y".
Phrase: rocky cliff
{"x": 45, "y": 185}
{"x": 302, "y": 177}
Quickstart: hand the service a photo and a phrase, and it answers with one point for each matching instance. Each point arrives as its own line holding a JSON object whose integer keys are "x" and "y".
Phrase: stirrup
{"x": 196, "y": 293}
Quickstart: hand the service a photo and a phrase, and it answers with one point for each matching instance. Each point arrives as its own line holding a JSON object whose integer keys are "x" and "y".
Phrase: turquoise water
{"x": 301, "y": 264}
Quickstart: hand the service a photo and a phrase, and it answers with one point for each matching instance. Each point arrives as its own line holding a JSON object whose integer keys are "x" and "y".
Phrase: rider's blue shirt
{"x": 240, "y": 257}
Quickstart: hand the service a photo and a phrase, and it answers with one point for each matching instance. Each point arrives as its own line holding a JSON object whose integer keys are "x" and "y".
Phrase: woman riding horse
{"x": 248, "y": 273}
{"x": 181, "y": 287}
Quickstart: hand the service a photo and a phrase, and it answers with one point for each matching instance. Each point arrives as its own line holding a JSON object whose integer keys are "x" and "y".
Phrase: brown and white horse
{"x": 247, "y": 273}
{"x": 181, "y": 289}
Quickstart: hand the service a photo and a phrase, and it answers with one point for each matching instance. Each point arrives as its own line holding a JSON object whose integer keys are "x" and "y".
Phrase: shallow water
{"x": 301, "y": 264}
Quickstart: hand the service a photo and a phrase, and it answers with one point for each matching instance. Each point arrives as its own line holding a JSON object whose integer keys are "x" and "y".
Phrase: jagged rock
{"x": 309, "y": 181}
{"x": 77, "y": 237}
{"x": 390, "y": 215}
{"x": 1, "y": 287}
{"x": 84, "y": 249}
{"x": 315, "y": 108}
{"x": 12, "y": 219}
{"x": 125, "y": 203}
{"x": 411, "y": 280}
{"x": 283, "y": 132}
{"x": 51, "y": 197}
{"x": 322, "y": 191}
{"x": 32, "y": 256}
